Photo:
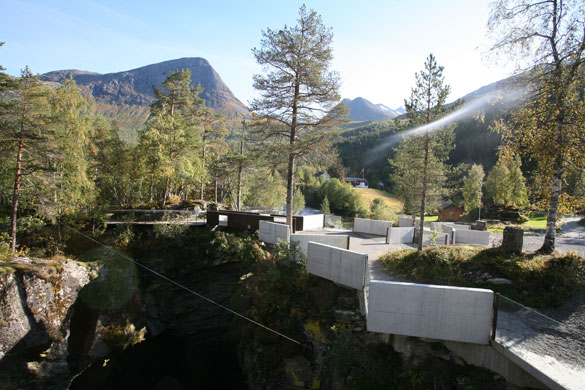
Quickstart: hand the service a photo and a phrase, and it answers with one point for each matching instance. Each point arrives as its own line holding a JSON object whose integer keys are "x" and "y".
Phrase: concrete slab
{"x": 439, "y": 312}
{"x": 474, "y": 237}
{"x": 371, "y": 226}
{"x": 338, "y": 265}
{"x": 400, "y": 235}
{"x": 271, "y": 232}
{"x": 336, "y": 240}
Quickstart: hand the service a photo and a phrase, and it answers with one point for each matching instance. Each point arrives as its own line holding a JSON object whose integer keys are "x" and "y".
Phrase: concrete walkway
{"x": 547, "y": 349}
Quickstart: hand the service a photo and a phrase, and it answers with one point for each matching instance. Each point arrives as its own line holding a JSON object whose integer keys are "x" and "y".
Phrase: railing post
{"x": 495, "y": 316}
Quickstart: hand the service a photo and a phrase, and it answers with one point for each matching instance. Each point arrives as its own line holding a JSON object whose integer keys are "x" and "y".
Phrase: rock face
{"x": 134, "y": 87}
{"x": 35, "y": 299}
{"x": 35, "y": 309}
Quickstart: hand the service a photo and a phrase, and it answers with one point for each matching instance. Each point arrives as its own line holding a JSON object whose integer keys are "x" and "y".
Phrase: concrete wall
{"x": 271, "y": 232}
{"x": 438, "y": 312}
{"x": 405, "y": 222}
{"x": 338, "y": 265}
{"x": 400, "y": 235}
{"x": 338, "y": 241}
{"x": 471, "y": 237}
{"x": 440, "y": 239}
{"x": 312, "y": 222}
{"x": 371, "y": 226}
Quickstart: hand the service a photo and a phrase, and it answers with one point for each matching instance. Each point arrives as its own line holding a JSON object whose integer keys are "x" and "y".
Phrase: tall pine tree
{"x": 299, "y": 93}
{"x": 419, "y": 161}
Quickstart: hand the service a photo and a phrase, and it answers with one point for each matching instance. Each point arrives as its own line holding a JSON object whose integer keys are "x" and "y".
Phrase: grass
{"x": 369, "y": 194}
{"x": 535, "y": 221}
{"x": 537, "y": 280}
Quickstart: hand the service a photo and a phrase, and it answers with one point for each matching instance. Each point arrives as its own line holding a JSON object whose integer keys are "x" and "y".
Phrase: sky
{"x": 378, "y": 46}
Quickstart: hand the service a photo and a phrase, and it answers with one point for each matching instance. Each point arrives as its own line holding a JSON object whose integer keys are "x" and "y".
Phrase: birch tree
{"x": 547, "y": 39}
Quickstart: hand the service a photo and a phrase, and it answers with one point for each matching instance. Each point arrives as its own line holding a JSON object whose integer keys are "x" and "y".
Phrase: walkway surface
{"x": 552, "y": 351}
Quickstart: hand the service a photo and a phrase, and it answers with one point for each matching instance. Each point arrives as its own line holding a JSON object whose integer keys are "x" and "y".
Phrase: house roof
{"x": 446, "y": 205}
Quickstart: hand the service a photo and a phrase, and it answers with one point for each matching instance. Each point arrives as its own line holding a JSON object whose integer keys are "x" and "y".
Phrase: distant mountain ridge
{"x": 361, "y": 109}
{"x": 134, "y": 87}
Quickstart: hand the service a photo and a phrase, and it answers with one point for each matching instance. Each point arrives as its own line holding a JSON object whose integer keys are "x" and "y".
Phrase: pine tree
{"x": 419, "y": 161}
{"x": 26, "y": 134}
{"x": 299, "y": 94}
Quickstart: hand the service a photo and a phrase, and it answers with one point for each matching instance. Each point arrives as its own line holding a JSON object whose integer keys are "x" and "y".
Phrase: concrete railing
{"x": 438, "y": 312}
{"x": 338, "y": 241}
{"x": 471, "y": 237}
{"x": 400, "y": 235}
{"x": 271, "y": 232}
{"x": 371, "y": 226}
{"x": 338, "y": 265}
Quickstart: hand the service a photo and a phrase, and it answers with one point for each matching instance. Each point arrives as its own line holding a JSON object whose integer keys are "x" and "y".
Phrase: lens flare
{"x": 481, "y": 104}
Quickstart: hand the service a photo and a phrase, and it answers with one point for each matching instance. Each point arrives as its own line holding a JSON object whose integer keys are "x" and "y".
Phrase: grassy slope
{"x": 369, "y": 194}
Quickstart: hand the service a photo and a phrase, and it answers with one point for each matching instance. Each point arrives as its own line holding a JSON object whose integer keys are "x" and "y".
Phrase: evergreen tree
{"x": 419, "y": 161}
{"x": 299, "y": 94}
{"x": 26, "y": 135}
{"x": 472, "y": 187}
{"x": 325, "y": 206}
{"x": 172, "y": 140}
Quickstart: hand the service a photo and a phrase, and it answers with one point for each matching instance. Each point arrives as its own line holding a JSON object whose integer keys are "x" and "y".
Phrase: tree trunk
{"x": 203, "y": 155}
{"x": 290, "y": 179}
{"x": 16, "y": 192}
{"x": 290, "y": 187}
{"x": 239, "y": 198}
{"x": 424, "y": 193}
{"x": 551, "y": 218}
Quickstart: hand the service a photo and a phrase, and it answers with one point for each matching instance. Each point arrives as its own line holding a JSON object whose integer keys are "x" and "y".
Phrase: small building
{"x": 448, "y": 212}
{"x": 323, "y": 175}
{"x": 358, "y": 182}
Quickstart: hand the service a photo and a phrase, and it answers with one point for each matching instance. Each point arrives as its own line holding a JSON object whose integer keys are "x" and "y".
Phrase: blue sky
{"x": 378, "y": 45}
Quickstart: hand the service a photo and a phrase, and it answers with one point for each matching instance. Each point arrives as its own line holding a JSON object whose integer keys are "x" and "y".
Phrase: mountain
{"x": 361, "y": 109}
{"x": 134, "y": 87}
